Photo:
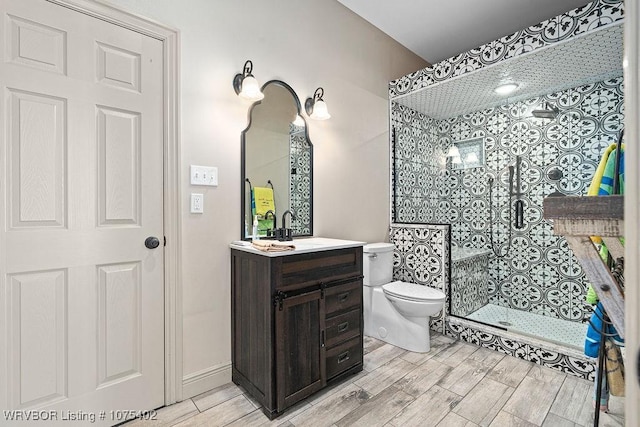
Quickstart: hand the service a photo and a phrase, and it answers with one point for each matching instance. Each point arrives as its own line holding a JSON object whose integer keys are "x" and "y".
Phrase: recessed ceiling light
{"x": 506, "y": 88}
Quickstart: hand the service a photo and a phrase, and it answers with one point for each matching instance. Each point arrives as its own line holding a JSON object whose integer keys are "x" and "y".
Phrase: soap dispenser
{"x": 254, "y": 231}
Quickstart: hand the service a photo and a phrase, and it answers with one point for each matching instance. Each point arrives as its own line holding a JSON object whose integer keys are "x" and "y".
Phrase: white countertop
{"x": 302, "y": 245}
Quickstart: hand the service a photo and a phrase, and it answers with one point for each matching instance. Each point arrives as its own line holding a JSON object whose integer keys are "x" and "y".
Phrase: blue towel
{"x": 592, "y": 341}
{"x": 606, "y": 183}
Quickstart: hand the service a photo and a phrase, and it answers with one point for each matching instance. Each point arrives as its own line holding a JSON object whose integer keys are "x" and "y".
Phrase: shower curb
{"x": 550, "y": 355}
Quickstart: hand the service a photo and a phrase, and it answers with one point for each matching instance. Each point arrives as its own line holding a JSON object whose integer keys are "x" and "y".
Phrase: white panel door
{"x": 81, "y": 187}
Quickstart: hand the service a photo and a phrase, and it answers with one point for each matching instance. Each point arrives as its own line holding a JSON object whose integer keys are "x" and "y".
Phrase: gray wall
{"x": 307, "y": 44}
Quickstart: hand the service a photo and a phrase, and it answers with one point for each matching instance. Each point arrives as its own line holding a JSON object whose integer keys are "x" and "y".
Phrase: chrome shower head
{"x": 548, "y": 112}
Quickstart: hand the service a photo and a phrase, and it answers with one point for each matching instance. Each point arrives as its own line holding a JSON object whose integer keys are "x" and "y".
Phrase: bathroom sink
{"x": 306, "y": 245}
{"x": 323, "y": 243}
{"x": 315, "y": 242}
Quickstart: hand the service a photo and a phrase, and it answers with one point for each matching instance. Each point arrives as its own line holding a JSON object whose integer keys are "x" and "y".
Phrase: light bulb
{"x": 251, "y": 89}
{"x": 320, "y": 111}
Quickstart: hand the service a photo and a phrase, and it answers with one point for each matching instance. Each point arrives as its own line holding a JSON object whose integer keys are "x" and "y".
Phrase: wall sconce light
{"x": 316, "y": 107}
{"x": 245, "y": 85}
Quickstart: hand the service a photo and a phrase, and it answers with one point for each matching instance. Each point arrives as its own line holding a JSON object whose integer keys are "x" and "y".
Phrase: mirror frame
{"x": 243, "y": 152}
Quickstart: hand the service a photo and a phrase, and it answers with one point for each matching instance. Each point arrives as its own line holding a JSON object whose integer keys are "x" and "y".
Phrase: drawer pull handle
{"x": 343, "y": 326}
{"x": 343, "y": 297}
{"x": 343, "y": 357}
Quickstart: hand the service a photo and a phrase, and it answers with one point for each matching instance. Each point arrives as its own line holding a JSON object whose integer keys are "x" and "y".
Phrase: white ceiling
{"x": 439, "y": 29}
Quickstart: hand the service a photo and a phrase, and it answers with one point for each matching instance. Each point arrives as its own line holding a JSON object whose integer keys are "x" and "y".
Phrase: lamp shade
{"x": 251, "y": 89}
{"x": 320, "y": 111}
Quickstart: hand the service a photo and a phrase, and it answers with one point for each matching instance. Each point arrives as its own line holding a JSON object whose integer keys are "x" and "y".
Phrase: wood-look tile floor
{"x": 455, "y": 384}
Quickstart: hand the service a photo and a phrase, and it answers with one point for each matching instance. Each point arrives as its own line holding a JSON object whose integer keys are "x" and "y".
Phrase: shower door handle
{"x": 519, "y": 214}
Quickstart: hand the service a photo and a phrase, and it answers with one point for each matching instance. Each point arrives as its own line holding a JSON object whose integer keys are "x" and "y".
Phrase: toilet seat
{"x": 413, "y": 292}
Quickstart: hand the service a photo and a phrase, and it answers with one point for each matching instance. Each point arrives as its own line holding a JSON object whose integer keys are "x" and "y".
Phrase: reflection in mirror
{"x": 277, "y": 165}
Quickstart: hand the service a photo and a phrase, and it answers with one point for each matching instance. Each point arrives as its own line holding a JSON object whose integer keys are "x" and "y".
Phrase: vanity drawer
{"x": 342, "y": 327}
{"x": 343, "y": 297}
{"x": 344, "y": 356}
{"x": 319, "y": 267}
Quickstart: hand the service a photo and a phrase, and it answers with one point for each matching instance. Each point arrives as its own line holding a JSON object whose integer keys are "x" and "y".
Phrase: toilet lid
{"x": 412, "y": 291}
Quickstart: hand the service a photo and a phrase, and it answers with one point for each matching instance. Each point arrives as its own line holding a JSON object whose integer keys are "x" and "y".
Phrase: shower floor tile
{"x": 545, "y": 327}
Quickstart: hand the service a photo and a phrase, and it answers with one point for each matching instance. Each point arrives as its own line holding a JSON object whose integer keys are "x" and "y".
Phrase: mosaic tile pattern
{"x": 544, "y": 327}
{"x": 300, "y": 185}
{"x": 469, "y": 279}
{"x": 419, "y": 253}
{"x": 591, "y": 58}
{"x": 536, "y": 272}
{"x": 540, "y": 352}
{"x": 574, "y": 23}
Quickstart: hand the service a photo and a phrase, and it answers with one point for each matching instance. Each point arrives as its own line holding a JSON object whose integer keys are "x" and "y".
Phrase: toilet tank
{"x": 377, "y": 263}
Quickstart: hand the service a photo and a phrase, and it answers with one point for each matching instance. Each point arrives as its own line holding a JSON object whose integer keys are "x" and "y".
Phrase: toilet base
{"x": 384, "y": 322}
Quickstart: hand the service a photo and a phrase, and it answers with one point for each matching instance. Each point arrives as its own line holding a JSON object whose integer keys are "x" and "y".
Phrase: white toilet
{"x": 396, "y": 312}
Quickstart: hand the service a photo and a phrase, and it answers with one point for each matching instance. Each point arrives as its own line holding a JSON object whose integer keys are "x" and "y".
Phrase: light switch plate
{"x": 197, "y": 203}
{"x": 204, "y": 175}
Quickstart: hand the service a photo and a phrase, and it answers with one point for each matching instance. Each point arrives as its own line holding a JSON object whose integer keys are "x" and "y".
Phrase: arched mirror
{"x": 277, "y": 165}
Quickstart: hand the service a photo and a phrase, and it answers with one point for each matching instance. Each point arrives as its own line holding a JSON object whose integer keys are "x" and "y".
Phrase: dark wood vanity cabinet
{"x": 296, "y": 323}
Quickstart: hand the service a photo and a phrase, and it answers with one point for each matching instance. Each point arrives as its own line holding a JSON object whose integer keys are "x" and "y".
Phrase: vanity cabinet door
{"x": 300, "y": 351}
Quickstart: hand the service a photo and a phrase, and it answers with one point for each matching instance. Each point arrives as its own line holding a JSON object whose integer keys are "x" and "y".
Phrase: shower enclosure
{"x": 546, "y": 139}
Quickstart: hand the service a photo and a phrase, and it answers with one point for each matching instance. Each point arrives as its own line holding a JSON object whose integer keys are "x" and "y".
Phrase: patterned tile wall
{"x": 469, "y": 279}
{"x": 576, "y": 22}
{"x": 300, "y": 185}
{"x": 536, "y": 271}
{"x": 419, "y": 253}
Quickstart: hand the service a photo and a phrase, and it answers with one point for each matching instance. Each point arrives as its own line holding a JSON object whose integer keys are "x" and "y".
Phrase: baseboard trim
{"x": 205, "y": 380}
